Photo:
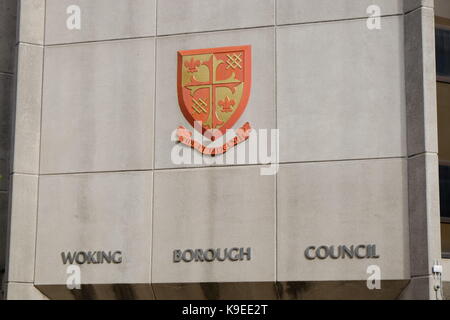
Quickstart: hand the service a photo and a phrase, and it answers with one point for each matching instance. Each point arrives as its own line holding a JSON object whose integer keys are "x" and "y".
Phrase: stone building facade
{"x": 89, "y": 104}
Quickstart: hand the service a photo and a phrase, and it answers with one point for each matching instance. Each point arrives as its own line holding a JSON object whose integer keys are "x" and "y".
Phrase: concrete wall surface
{"x": 93, "y": 168}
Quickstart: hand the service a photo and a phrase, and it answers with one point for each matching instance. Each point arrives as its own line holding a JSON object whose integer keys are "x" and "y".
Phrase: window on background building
{"x": 444, "y": 176}
{"x": 443, "y": 53}
{"x": 443, "y": 97}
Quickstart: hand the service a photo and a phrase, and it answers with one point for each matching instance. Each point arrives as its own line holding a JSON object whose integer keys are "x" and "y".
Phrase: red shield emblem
{"x": 214, "y": 87}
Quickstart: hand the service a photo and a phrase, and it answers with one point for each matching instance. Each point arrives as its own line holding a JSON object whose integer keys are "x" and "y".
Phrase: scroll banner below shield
{"x": 185, "y": 137}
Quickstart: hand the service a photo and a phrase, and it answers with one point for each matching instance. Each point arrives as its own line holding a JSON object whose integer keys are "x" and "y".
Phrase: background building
{"x": 85, "y": 150}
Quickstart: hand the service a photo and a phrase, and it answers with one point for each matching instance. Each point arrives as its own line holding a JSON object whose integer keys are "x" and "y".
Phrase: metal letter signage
{"x": 341, "y": 252}
{"x": 213, "y": 90}
{"x": 91, "y": 257}
{"x": 210, "y": 255}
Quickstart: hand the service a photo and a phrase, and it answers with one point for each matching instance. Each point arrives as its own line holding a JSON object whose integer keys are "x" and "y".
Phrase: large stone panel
{"x": 27, "y": 126}
{"x": 98, "y": 107}
{"x": 424, "y": 213}
{"x": 23, "y": 291}
{"x": 31, "y": 28}
{"x": 95, "y": 212}
{"x": 342, "y": 203}
{"x": 260, "y": 111}
{"x": 214, "y": 208}
{"x": 340, "y": 91}
{"x": 302, "y": 11}
{"x": 420, "y": 87}
{"x": 410, "y": 5}
{"x": 188, "y": 16}
{"x": 22, "y": 229}
{"x": 100, "y": 20}
{"x": 340, "y": 290}
{"x": 216, "y": 291}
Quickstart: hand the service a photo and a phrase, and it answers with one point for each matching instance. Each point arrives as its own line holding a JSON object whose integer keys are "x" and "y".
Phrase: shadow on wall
{"x": 8, "y": 14}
